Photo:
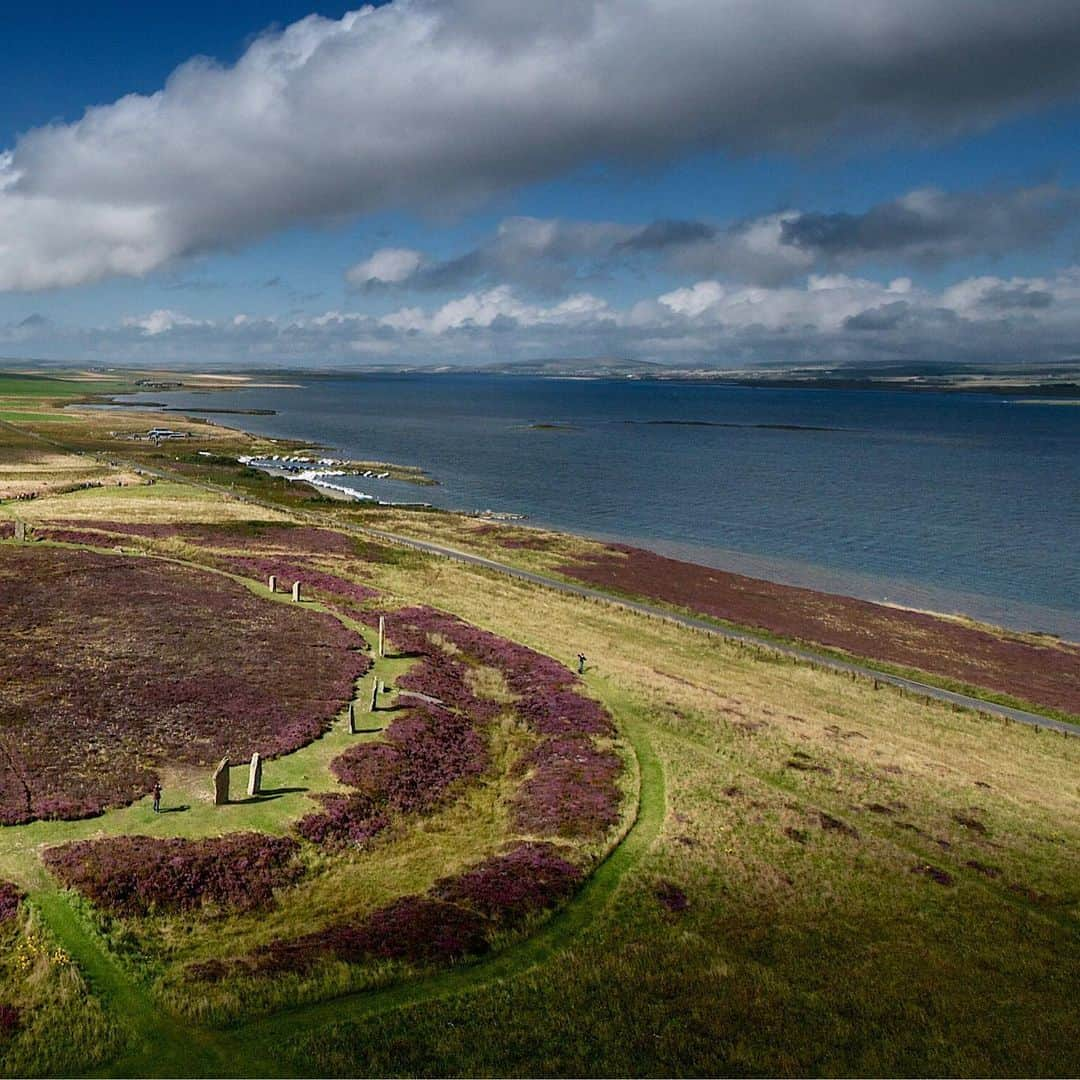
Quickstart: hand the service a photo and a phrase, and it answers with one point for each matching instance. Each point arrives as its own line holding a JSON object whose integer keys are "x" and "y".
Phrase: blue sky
{"x": 695, "y": 182}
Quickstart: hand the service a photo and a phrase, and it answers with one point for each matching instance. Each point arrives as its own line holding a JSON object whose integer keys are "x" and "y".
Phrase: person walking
{"x": 581, "y": 663}
{"x": 157, "y": 796}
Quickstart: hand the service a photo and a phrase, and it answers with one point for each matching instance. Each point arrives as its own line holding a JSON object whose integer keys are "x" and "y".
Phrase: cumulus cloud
{"x": 827, "y": 318}
{"x": 433, "y": 104}
{"x": 540, "y": 253}
{"x": 160, "y": 321}
{"x": 922, "y": 227}
{"x": 929, "y": 225}
{"x": 387, "y": 266}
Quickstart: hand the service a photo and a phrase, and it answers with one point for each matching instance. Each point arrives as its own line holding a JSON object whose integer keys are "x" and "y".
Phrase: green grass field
{"x": 44, "y": 386}
{"x": 874, "y": 885}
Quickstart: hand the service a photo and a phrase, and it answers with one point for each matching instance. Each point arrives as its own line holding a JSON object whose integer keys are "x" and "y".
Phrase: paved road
{"x": 912, "y": 686}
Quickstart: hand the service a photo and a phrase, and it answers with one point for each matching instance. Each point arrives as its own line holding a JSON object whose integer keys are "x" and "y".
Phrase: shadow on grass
{"x": 267, "y": 795}
{"x": 174, "y": 809}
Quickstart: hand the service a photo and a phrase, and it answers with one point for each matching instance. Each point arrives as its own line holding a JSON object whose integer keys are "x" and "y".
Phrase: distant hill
{"x": 577, "y": 366}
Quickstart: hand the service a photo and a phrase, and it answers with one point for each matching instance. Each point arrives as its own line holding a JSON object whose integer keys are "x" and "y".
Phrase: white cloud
{"x": 387, "y": 266}
{"x": 501, "y": 304}
{"x": 827, "y": 319}
{"x": 164, "y": 319}
{"x": 695, "y": 300}
{"x": 433, "y": 104}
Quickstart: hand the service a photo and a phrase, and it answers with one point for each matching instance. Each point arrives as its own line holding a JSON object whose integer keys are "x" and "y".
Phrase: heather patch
{"x": 1045, "y": 673}
{"x": 564, "y": 712}
{"x": 11, "y": 896}
{"x": 426, "y": 754}
{"x": 137, "y": 875}
{"x": 548, "y": 699}
{"x": 448, "y": 680}
{"x": 453, "y": 920}
{"x": 343, "y": 820}
{"x": 112, "y": 666}
{"x": 414, "y": 929}
{"x": 671, "y": 897}
{"x": 10, "y": 1019}
{"x": 286, "y": 571}
{"x": 570, "y": 788}
{"x": 506, "y": 888}
{"x": 75, "y": 536}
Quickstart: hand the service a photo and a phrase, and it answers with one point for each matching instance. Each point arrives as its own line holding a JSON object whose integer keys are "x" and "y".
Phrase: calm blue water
{"x": 954, "y": 502}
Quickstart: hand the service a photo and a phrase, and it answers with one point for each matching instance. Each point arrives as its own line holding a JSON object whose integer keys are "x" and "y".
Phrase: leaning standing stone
{"x": 221, "y": 783}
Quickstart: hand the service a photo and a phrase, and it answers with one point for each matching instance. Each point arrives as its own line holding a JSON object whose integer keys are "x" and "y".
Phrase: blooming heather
{"x": 412, "y": 928}
{"x": 136, "y": 875}
{"x": 11, "y": 896}
{"x": 111, "y": 666}
{"x": 507, "y": 887}
{"x": 570, "y": 789}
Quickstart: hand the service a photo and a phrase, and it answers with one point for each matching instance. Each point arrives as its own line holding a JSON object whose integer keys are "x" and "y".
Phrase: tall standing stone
{"x": 255, "y": 774}
{"x": 296, "y": 592}
{"x": 273, "y": 583}
{"x": 352, "y": 719}
{"x": 221, "y": 782}
{"x": 374, "y": 695}
{"x": 382, "y": 636}
{"x": 20, "y": 531}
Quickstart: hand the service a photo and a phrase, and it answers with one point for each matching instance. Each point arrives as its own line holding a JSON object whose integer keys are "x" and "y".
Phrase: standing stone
{"x": 255, "y": 774}
{"x": 352, "y": 719}
{"x": 20, "y": 531}
{"x": 382, "y": 636}
{"x": 296, "y": 592}
{"x": 382, "y": 687}
{"x": 273, "y": 583}
{"x": 221, "y": 783}
{"x": 374, "y": 695}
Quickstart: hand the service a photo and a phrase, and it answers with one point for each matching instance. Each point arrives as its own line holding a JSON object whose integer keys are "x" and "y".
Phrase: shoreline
{"x": 941, "y": 600}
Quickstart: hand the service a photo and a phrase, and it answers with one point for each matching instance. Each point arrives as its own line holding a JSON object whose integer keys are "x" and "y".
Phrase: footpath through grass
{"x": 161, "y": 1045}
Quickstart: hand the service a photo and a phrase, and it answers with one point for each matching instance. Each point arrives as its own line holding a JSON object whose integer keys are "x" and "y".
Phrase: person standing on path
{"x": 581, "y": 663}
{"x": 157, "y": 796}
